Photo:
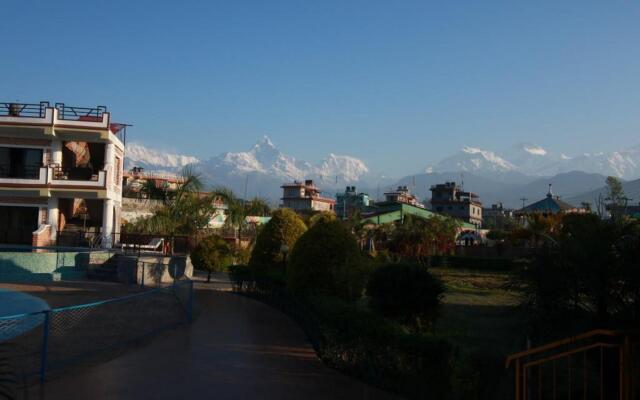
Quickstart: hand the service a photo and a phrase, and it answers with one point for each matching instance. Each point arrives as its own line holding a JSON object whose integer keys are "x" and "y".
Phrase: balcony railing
{"x": 23, "y": 110}
{"x": 20, "y": 171}
{"x": 76, "y": 174}
{"x": 91, "y": 114}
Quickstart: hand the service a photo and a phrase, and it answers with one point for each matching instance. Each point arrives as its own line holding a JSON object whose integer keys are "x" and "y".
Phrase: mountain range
{"x": 522, "y": 171}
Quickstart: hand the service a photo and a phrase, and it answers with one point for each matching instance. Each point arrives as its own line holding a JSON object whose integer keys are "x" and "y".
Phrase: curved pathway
{"x": 237, "y": 348}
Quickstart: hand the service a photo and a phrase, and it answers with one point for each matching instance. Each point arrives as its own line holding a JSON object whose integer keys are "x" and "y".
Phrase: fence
{"x": 600, "y": 364}
{"x": 51, "y": 340}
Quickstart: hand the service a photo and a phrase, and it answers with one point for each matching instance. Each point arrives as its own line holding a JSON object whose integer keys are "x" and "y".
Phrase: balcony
{"x": 28, "y": 114}
{"x": 53, "y": 176}
{"x": 62, "y": 117}
{"x": 77, "y": 176}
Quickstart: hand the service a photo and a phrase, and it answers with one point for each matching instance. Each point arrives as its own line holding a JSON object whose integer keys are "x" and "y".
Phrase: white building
{"x": 60, "y": 174}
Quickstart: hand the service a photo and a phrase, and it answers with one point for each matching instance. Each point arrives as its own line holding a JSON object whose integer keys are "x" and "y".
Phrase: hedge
{"x": 476, "y": 263}
{"x": 360, "y": 343}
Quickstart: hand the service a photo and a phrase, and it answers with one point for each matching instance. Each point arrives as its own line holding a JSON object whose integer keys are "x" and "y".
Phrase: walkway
{"x": 238, "y": 348}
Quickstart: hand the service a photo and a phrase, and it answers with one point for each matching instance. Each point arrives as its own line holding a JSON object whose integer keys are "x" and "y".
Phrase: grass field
{"x": 482, "y": 318}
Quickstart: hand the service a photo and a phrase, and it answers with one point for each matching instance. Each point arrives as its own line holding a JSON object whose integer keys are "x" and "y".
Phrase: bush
{"x": 321, "y": 216}
{"x": 327, "y": 261}
{"x": 211, "y": 254}
{"x": 407, "y": 293}
{"x": 285, "y": 227}
{"x": 376, "y": 350}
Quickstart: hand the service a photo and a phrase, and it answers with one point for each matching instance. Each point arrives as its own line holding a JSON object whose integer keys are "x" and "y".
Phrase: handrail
{"x": 23, "y": 110}
{"x": 569, "y": 340}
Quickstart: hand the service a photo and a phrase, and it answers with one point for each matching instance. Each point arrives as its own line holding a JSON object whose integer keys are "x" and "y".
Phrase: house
{"x": 450, "y": 199}
{"x": 305, "y": 197}
{"x": 135, "y": 182}
{"x": 549, "y": 205}
{"x": 350, "y": 201}
{"x": 61, "y": 171}
{"x": 497, "y": 216}
{"x": 402, "y": 195}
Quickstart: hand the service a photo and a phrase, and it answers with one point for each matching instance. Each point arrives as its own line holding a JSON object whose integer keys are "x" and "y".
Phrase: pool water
{"x": 17, "y": 313}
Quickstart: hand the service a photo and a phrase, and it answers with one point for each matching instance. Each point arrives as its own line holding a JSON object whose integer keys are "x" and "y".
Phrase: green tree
{"x": 321, "y": 216}
{"x": 185, "y": 212}
{"x": 326, "y": 260}
{"x": 615, "y": 192}
{"x": 407, "y": 293}
{"x": 284, "y": 228}
{"x": 211, "y": 254}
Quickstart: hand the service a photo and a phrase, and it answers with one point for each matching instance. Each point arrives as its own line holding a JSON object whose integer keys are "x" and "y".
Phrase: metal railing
{"x": 600, "y": 364}
{"x": 69, "y": 113}
{"x": 54, "y": 339}
{"x": 24, "y": 110}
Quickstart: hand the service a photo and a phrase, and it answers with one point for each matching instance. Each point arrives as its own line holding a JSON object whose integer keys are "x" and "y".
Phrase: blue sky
{"x": 399, "y": 84}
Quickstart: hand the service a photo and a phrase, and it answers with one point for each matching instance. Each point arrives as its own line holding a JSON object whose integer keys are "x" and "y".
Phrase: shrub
{"x": 407, "y": 293}
{"x": 322, "y": 216}
{"x": 378, "y": 351}
{"x": 211, "y": 254}
{"x": 327, "y": 261}
{"x": 239, "y": 275}
{"x": 285, "y": 227}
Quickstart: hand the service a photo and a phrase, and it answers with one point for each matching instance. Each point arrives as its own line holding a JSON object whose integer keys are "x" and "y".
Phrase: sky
{"x": 400, "y": 84}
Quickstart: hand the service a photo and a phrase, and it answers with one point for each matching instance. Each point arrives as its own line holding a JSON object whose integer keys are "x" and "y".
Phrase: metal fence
{"x": 43, "y": 342}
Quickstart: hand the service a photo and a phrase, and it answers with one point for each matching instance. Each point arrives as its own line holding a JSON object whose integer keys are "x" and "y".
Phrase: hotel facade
{"x": 60, "y": 175}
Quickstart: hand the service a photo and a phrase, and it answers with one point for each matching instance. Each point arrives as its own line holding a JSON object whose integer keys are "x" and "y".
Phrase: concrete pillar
{"x": 107, "y": 223}
{"x": 53, "y": 215}
{"x": 109, "y": 162}
{"x": 56, "y": 152}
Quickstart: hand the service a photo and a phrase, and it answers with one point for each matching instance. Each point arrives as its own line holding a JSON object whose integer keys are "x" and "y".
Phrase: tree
{"x": 326, "y": 260}
{"x": 321, "y": 216}
{"x": 211, "y": 254}
{"x": 416, "y": 239}
{"x": 284, "y": 228}
{"x": 407, "y": 293}
{"x": 185, "y": 212}
{"x": 615, "y": 193}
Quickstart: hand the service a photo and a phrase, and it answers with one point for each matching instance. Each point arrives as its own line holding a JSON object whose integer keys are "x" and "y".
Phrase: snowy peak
{"x": 137, "y": 155}
{"x": 350, "y": 169}
{"x": 473, "y": 159}
{"x": 535, "y": 150}
{"x": 533, "y": 160}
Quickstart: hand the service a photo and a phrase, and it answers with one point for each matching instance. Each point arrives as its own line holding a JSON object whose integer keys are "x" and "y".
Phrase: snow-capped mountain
{"x": 263, "y": 168}
{"x": 534, "y": 161}
{"x": 138, "y": 155}
{"x": 473, "y": 159}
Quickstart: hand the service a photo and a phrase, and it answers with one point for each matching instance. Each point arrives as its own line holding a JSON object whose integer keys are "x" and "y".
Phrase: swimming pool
{"x": 19, "y": 313}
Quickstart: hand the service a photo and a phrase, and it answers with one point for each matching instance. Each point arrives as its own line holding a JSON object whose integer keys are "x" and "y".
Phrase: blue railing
{"x": 50, "y": 340}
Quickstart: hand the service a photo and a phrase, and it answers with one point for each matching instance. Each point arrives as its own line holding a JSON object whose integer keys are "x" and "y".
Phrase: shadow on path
{"x": 237, "y": 348}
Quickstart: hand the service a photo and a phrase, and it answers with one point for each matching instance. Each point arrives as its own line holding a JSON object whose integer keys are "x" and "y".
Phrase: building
{"x": 384, "y": 213}
{"x": 402, "y": 195}
{"x": 497, "y": 217}
{"x": 550, "y": 205}
{"x": 449, "y": 199}
{"x": 305, "y": 197}
{"x": 61, "y": 173}
{"x": 350, "y": 201}
{"x": 136, "y": 183}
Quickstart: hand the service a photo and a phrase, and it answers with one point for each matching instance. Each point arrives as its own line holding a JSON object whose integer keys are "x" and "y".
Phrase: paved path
{"x": 238, "y": 348}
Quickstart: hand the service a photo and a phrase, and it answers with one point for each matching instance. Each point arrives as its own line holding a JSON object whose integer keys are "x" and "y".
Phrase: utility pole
{"x": 523, "y": 200}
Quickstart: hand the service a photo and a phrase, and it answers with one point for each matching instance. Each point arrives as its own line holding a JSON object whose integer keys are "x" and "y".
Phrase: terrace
{"x": 61, "y": 116}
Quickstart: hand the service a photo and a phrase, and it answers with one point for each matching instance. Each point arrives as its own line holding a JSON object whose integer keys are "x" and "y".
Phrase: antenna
{"x": 523, "y": 200}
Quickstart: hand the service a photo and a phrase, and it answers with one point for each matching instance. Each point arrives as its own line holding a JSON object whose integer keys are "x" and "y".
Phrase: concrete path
{"x": 237, "y": 348}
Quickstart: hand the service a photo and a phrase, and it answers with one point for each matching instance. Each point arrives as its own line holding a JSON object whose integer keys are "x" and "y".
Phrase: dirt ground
{"x": 62, "y": 294}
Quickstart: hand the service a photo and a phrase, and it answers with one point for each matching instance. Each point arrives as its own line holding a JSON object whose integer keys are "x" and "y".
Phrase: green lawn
{"x": 481, "y": 317}
{"x": 479, "y": 313}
